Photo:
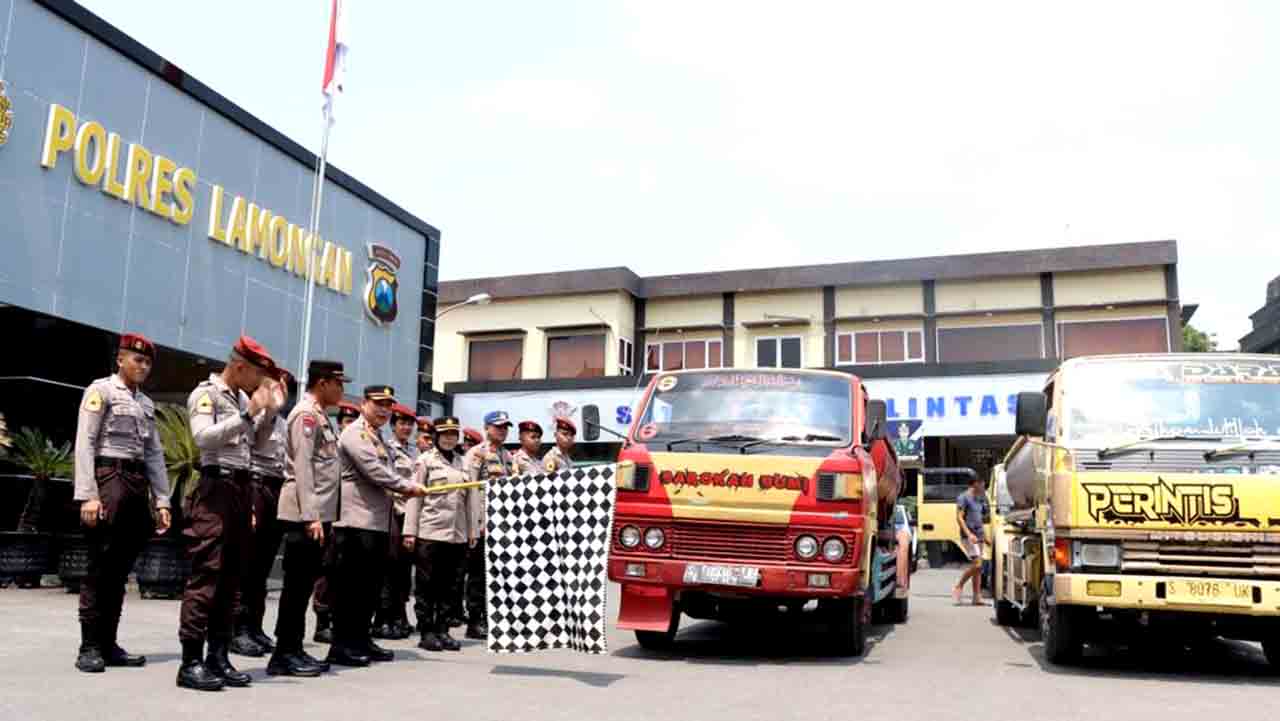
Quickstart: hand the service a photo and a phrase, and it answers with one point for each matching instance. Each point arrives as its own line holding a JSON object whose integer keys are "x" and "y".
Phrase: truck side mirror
{"x": 1032, "y": 414}
{"x": 877, "y": 420}
{"x": 591, "y": 423}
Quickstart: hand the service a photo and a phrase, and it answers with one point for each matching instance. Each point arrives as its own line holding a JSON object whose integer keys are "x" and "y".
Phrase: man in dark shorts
{"x": 971, "y": 514}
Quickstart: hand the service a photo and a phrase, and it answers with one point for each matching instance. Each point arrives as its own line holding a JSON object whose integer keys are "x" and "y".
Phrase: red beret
{"x": 424, "y": 424}
{"x": 473, "y": 435}
{"x": 400, "y": 410}
{"x": 253, "y": 352}
{"x": 138, "y": 344}
{"x": 566, "y": 424}
{"x": 348, "y": 409}
{"x": 530, "y": 426}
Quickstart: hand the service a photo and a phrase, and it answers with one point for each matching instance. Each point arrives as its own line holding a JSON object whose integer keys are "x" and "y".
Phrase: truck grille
{"x": 1157, "y": 459}
{"x": 1235, "y": 559}
{"x": 696, "y": 540}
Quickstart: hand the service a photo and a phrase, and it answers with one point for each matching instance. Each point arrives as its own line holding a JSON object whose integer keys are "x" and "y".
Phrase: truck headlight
{"x": 654, "y": 538}
{"x": 629, "y": 536}
{"x": 833, "y": 549}
{"x": 806, "y": 547}
{"x": 1098, "y": 555}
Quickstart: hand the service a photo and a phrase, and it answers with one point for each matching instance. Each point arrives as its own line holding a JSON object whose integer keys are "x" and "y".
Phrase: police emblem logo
{"x": 381, "y": 286}
{"x": 93, "y": 402}
{"x": 6, "y": 115}
{"x": 204, "y": 406}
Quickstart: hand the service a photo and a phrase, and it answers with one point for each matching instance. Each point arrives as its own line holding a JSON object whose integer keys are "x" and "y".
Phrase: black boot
{"x": 261, "y": 638}
{"x": 377, "y": 653}
{"x": 322, "y": 665}
{"x": 383, "y": 631}
{"x": 90, "y": 658}
{"x": 242, "y": 644}
{"x": 192, "y": 673}
{"x": 285, "y": 663}
{"x": 324, "y": 629}
{"x": 447, "y": 642}
{"x": 430, "y": 641}
{"x": 343, "y": 656}
{"x": 219, "y": 665}
{"x": 478, "y": 630}
{"x": 112, "y": 654}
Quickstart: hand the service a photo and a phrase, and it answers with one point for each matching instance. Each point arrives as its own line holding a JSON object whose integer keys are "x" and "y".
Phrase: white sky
{"x": 695, "y": 135}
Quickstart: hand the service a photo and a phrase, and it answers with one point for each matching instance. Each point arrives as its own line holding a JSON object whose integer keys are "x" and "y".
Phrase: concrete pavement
{"x": 946, "y": 661}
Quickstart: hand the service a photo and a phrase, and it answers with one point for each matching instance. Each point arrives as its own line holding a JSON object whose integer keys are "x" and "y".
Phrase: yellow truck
{"x": 1143, "y": 495}
{"x": 937, "y": 491}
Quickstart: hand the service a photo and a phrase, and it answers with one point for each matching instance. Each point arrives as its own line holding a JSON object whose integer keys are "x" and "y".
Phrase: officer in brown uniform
{"x": 308, "y": 507}
{"x": 426, "y": 435}
{"x": 391, "y": 621}
{"x": 323, "y": 602}
{"x": 528, "y": 456}
{"x": 230, "y": 413}
{"x": 560, "y": 457}
{"x": 368, "y": 483}
{"x": 470, "y": 439}
{"x": 438, "y": 529}
{"x": 266, "y": 473}
{"x": 484, "y": 462}
{"x": 117, "y": 458}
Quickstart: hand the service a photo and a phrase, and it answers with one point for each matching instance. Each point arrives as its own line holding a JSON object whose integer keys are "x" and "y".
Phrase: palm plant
{"x": 37, "y": 453}
{"x": 181, "y": 455}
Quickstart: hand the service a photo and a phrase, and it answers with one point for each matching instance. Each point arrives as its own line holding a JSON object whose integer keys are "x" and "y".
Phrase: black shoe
{"x": 322, "y": 665}
{"x": 244, "y": 645}
{"x": 324, "y": 632}
{"x": 219, "y": 665}
{"x": 291, "y": 664}
{"x": 117, "y": 656}
{"x": 261, "y": 638}
{"x": 90, "y": 660}
{"x": 430, "y": 642}
{"x": 342, "y": 656}
{"x": 477, "y": 632}
{"x": 378, "y": 653}
{"x": 194, "y": 675}
{"x": 455, "y": 621}
{"x": 384, "y": 631}
{"x": 449, "y": 643}
{"x": 406, "y": 628}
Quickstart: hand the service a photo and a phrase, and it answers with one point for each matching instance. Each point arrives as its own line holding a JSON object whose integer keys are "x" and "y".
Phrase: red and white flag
{"x": 335, "y": 58}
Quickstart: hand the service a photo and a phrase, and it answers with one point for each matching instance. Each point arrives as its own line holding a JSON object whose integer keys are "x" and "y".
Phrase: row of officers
{"x": 353, "y": 510}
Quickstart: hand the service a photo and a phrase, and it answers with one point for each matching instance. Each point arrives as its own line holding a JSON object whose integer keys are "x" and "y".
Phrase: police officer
{"x": 266, "y": 474}
{"x": 438, "y": 529}
{"x": 323, "y": 601}
{"x": 470, "y": 439}
{"x": 230, "y": 413}
{"x": 368, "y": 482}
{"x": 391, "y": 621}
{"x": 528, "y": 457}
{"x": 307, "y": 509}
{"x": 117, "y": 458}
{"x": 426, "y": 435}
{"x": 484, "y": 462}
{"x": 560, "y": 457}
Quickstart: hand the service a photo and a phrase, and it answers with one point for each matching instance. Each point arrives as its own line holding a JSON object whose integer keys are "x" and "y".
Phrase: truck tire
{"x": 936, "y": 554}
{"x": 1060, "y": 632}
{"x": 850, "y": 627}
{"x": 1007, "y": 614}
{"x": 896, "y": 610}
{"x": 661, "y": 640}
{"x": 1271, "y": 648}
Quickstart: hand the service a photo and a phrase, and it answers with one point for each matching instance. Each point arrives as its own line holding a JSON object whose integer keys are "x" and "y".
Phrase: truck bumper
{"x": 1151, "y": 593}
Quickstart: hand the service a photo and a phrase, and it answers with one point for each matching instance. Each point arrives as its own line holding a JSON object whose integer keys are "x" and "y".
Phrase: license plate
{"x": 743, "y": 576}
{"x": 1209, "y": 593}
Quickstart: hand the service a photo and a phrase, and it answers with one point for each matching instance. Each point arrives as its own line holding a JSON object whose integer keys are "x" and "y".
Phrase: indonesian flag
{"x": 335, "y": 58}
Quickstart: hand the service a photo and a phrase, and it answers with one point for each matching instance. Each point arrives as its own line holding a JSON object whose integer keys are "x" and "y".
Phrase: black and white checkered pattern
{"x": 547, "y": 546}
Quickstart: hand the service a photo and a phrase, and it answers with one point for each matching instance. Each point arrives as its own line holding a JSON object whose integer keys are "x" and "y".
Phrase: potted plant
{"x": 162, "y": 567}
{"x": 26, "y": 554}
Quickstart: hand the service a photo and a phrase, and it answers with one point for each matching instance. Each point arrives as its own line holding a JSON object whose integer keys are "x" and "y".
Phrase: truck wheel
{"x": 661, "y": 640}
{"x": 934, "y": 552}
{"x": 1059, "y": 629}
{"x": 1272, "y": 649}
{"x": 850, "y": 627}
{"x": 1007, "y": 614}
{"x": 896, "y": 610}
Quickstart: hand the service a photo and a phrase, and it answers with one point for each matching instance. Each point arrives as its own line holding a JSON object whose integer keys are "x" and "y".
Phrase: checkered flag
{"x": 547, "y": 553}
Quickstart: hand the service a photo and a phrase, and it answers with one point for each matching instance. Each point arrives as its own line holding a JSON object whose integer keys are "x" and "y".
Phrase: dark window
{"x": 652, "y": 360}
{"x": 715, "y": 354}
{"x": 891, "y": 347}
{"x": 844, "y": 348}
{"x": 914, "y": 341}
{"x": 427, "y": 332}
{"x": 431, "y": 278}
{"x": 791, "y": 353}
{"x": 429, "y": 302}
{"x": 1139, "y": 335}
{"x": 425, "y": 357}
{"x": 672, "y": 356}
{"x": 695, "y": 354}
{"x": 495, "y": 360}
{"x": 575, "y": 356}
{"x": 866, "y": 346}
{"x": 767, "y": 352}
{"x": 989, "y": 343}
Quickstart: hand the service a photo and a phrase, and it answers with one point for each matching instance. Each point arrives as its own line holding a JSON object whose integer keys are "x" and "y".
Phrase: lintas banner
{"x": 953, "y": 406}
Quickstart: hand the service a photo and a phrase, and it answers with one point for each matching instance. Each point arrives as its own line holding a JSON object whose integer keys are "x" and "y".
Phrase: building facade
{"x": 1265, "y": 336}
{"x": 947, "y": 341}
{"x": 136, "y": 198}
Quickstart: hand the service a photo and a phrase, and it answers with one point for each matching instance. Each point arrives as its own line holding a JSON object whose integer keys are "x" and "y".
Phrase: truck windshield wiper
{"x": 1131, "y": 445}
{"x": 1241, "y": 449}
{"x": 678, "y": 441}
{"x": 811, "y": 437}
{"x": 731, "y": 438}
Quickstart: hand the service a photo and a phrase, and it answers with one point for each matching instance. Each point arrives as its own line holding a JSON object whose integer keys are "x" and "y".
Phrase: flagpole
{"x": 313, "y": 238}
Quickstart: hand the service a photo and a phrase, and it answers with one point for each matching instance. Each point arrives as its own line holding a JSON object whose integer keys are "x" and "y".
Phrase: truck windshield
{"x": 772, "y": 406}
{"x": 940, "y": 485}
{"x": 1109, "y": 402}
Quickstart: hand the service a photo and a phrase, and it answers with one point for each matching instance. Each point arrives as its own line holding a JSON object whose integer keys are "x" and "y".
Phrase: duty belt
{"x": 120, "y": 464}
{"x": 268, "y": 478}
{"x": 236, "y": 474}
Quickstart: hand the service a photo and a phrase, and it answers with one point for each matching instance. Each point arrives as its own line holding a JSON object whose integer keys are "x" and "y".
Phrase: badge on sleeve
{"x": 308, "y": 425}
{"x": 93, "y": 402}
{"x": 205, "y": 404}
{"x": 549, "y": 464}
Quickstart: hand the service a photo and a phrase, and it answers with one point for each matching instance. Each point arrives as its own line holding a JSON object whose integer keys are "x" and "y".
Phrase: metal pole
{"x": 317, "y": 194}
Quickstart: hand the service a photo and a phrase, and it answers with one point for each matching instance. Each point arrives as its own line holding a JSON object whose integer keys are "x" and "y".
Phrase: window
{"x": 495, "y": 360}
{"x": 1099, "y": 337}
{"x": 886, "y": 346}
{"x": 779, "y": 352}
{"x": 626, "y": 357}
{"x": 681, "y": 355}
{"x": 990, "y": 343}
{"x": 575, "y": 356}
